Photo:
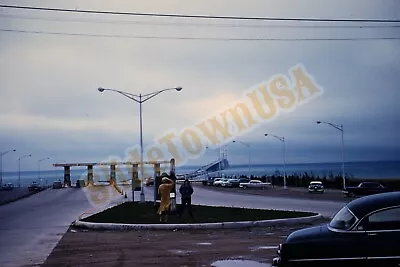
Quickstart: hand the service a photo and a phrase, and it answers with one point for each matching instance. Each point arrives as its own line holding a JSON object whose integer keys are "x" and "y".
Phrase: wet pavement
{"x": 255, "y": 247}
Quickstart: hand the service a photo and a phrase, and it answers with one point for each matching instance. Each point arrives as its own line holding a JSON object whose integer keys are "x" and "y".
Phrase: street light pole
{"x": 140, "y": 99}
{"x": 248, "y": 146}
{"x": 19, "y": 168}
{"x": 1, "y": 164}
{"x": 39, "y": 161}
{"x": 282, "y": 139}
{"x": 340, "y": 128}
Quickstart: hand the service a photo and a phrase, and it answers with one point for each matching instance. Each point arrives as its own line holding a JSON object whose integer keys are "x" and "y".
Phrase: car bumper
{"x": 316, "y": 190}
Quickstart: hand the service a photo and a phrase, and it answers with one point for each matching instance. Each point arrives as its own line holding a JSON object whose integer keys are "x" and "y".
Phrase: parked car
{"x": 254, "y": 184}
{"x": 316, "y": 186}
{"x": 215, "y": 180}
{"x": 244, "y": 180}
{"x": 149, "y": 181}
{"x": 365, "y": 188}
{"x": 234, "y": 182}
{"x": 209, "y": 180}
{"x": 57, "y": 184}
{"x": 34, "y": 187}
{"x": 7, "y": 187}
{"x": 365, "y": 232}
{"x": 222, "y": 183}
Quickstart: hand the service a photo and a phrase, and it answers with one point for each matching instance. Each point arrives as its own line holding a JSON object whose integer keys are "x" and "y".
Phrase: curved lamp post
{"x": 19, "y": 168}
{"x": 248, "y": 146}
{"x": 340, "y": 128}
{"x": 282, "y": 139}
{"x": 39, "y": 161}
{"x": 140, "y": 99}
{"x": 1, "y": 164}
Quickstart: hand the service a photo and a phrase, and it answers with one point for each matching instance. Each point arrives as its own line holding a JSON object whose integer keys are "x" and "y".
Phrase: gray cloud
{"x": 49, "y": 105}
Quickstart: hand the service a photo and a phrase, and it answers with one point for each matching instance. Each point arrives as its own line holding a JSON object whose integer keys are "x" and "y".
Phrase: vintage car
{"x": 222, "y": 182}
{"x": 365, "y": 232}
{"x": 57, "y": 184}
{"x": 7, "y": 187}
{"x": 149, "y": 181}
{"x": 234, "y": 182}
{"x": 254, "y": 184}
{"x": 316, "y": 187}
{"x": 364, "y": 189}
{"x": 34, "y": 187}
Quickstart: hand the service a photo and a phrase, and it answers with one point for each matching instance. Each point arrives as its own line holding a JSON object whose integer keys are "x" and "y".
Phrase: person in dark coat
{"x": 186, "y": 191}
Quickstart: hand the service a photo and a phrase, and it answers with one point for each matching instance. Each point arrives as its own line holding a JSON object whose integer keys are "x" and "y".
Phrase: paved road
{"x": 31, "y": 227}
{"x": 208, "y": 197}
{"x": 204, "y": 196}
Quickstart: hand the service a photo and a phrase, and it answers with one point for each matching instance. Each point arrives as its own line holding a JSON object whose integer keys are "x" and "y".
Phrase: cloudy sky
{"x": 50, "y": 106}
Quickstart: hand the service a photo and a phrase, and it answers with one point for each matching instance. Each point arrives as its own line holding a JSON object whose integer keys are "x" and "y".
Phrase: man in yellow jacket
{"x": 164, "y": 191}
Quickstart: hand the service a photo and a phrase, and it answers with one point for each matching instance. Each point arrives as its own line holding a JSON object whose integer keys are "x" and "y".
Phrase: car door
{"x": 382, "y": 237}
{"x": 254, "y": 184}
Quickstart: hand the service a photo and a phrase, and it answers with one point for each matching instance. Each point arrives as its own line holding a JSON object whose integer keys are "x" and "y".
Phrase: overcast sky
{"x": 50, "y": 106}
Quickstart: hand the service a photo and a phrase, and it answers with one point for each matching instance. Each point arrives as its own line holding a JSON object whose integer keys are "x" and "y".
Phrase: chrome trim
{"x": 383, "y": 258}
{"x": 382, "y": 231}
{"x": 344, "y": 231}
{"x": 375, "y": 211}
{"x": 329, "y": 259}
{"x": 340, "y": 259}
{"x": 350, "y": 228}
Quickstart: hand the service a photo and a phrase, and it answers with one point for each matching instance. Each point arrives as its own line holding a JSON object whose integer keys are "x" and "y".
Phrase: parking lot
{"x": 278, "y": 191}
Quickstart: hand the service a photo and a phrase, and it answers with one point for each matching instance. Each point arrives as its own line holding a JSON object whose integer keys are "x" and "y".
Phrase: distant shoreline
{"x": 244, "y": 165}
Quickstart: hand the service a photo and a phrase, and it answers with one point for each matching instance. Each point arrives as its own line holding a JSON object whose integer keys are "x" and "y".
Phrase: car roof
{"x": 365, "y": 205}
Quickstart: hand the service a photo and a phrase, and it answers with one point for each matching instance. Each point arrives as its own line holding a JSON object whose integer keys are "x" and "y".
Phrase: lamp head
{"x": 178, "y": 89}
{"x": 318, "y": 122}
{"x": 100, "y": 89}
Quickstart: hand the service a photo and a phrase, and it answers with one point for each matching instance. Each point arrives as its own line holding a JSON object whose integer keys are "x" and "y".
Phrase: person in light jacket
{"x": 164, "y": 190}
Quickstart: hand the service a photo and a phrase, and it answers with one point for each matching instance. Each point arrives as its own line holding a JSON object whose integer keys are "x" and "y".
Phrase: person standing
{"x": 164, "y": 191}
{"x": 186, "y": 191}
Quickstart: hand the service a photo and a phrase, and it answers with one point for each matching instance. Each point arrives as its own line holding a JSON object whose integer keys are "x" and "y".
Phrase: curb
{"x": 222, "y": 225}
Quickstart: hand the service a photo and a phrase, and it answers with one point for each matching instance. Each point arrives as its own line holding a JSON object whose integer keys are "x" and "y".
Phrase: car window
{"x": 372, "y": 185}
{"x": 343, "y": 220}
{"x": 383, "y": 220}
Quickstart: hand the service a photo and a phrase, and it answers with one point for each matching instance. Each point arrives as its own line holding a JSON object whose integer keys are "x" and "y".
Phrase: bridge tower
{"x": 223, "y": 156}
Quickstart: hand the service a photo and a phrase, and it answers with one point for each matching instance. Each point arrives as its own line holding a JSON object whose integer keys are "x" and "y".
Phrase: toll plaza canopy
{"x": 108, "y": 163}
{"x": 135, "y": 168}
